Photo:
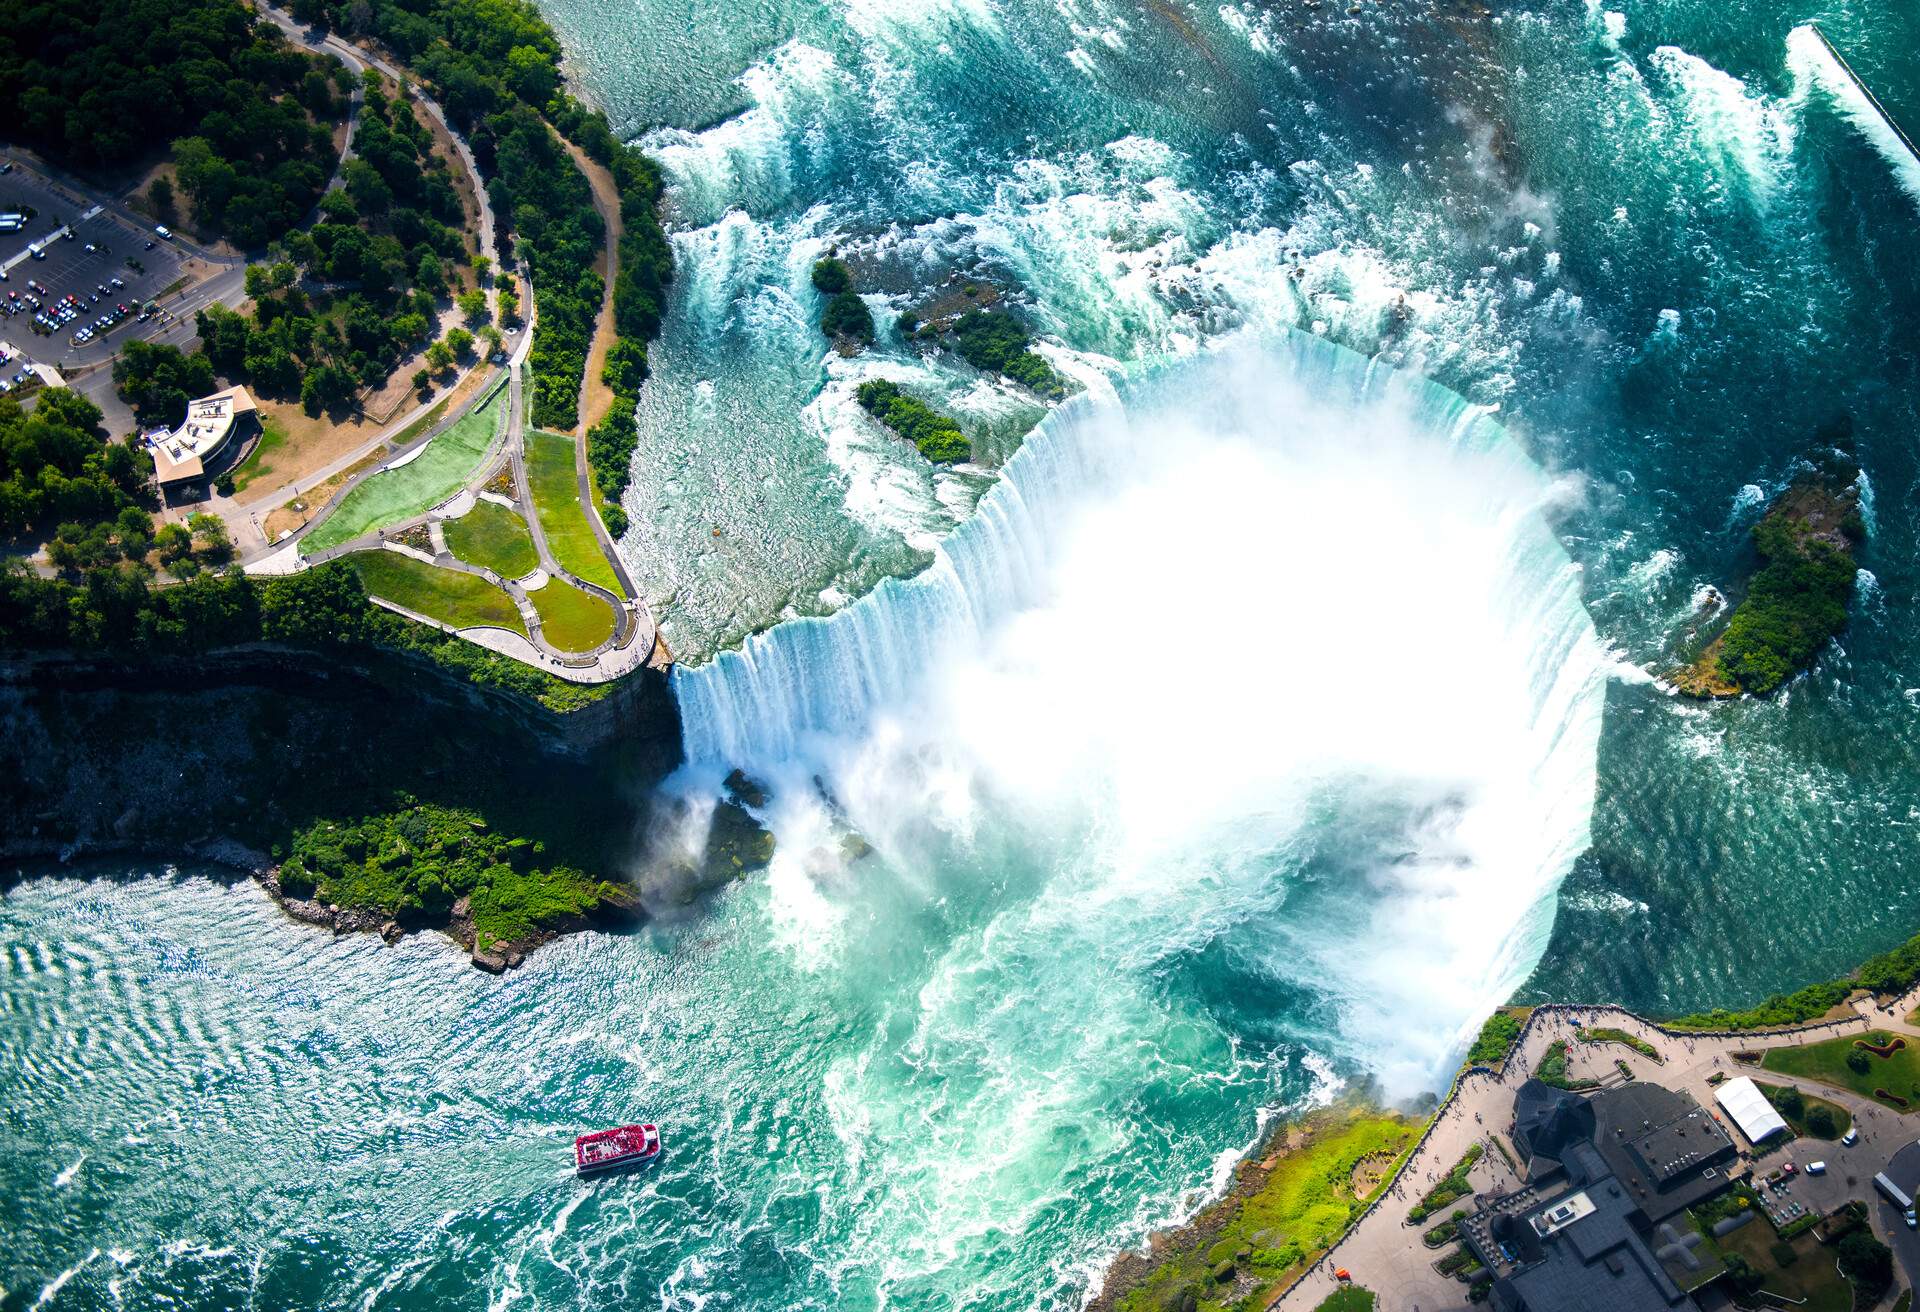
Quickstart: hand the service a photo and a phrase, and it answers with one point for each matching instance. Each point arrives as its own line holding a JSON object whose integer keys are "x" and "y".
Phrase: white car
{"x": 1816, "y": 1168}
{"x": 1850, "y": 1138}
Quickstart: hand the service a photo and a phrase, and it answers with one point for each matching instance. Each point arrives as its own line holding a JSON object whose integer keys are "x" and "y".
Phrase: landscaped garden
{"x": 1602, "y": 1034}
{"x": 1349, "y": 1298}
{"x": 394, "y": 495}
{"x": 552, "y": 479}
{"x": 1809, "y": 1117}
{"x": 493, "y": 536}
{"x": 1553, "y": 1069}
{"x": 453, "y": 598}
{"x": 1799, "y": 1270}
{"x": 570, "y": 619}
{"x": 1847, "y": 1062}
{"x": 1453, "y": 1186}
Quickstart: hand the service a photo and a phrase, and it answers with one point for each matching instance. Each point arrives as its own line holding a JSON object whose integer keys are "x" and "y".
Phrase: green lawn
{"x": 395, "y": 495}
{"x": 493, "y": 536}
{"x": 1351, "y": 1299}
{"x": 272, "y": 438}
{"x": 556, "y": 499}
{"x": 1811, "y": 1276}
{"x": 1602, "y": 1034}
{"x": 461, "y": 600}
{"x": 1796, "y": 1107}
{"x": 570, "y": 619}
{"x": 1827, "y": 1061}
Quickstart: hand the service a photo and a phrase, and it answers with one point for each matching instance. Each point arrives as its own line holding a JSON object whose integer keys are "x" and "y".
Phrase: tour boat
{"x": 608, "y": 1150}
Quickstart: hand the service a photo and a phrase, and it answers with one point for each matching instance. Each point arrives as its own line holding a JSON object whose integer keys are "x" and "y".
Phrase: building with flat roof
{"x": 183, "y": 455}
{"x": 1594, "y": 1227}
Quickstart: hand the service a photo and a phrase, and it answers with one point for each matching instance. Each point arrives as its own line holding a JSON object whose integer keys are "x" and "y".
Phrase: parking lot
{"x": 58, "y": 288}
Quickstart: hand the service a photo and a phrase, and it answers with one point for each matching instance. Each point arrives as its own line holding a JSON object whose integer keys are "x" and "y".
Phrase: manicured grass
{"x": 1304, "y": 1205}
{"x": 395, "y": 495}
{"x": 272, "y": 438}
{"x": 461, "y": 600}
{"x": 1811, "y": 1276}
{"x": 1827, "y": 1061}
{"x": 1553, "y": 1068}
{"x": 556, "y": 499}
{"x": 1796, "y": 1107}
{"x": 570, "y": 619}
{"x": 493, "y": 536}
{"x": 1351, "y": 1299}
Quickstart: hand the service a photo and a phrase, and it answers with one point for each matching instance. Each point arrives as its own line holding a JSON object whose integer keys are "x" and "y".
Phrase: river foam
{"x": 1270, "y": 649}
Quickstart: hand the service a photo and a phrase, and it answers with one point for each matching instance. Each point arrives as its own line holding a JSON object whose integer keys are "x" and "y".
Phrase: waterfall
{"x": 1275, "y": 625}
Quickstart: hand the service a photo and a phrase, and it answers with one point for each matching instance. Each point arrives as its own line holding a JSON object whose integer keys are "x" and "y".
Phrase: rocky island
{"x": 1799, "y": 597}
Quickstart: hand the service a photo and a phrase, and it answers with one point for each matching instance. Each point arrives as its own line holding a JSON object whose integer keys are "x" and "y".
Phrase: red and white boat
{"x": 609, "y": 1150}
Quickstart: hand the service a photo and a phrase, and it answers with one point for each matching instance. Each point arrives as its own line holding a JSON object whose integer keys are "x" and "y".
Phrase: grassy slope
{"x": 417, "y": 486}
{"x": 570, "y": 619}
{"x": 556, "y": 498}
{"x": 493, "y": 536}
{"x": 1898, "y": 1074}
{"x": 1304, "y": 1205}
{"x": 272, "y": 439}
{"x": 461, "y": 600}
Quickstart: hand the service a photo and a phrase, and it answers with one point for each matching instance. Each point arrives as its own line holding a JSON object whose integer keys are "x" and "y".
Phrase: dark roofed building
{"x": 1602, "y": 1172}
{"x": 1667, "y": 1149}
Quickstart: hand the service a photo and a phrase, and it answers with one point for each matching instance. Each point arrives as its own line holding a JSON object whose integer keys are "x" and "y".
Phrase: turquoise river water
{"x": 1241, "y": 732}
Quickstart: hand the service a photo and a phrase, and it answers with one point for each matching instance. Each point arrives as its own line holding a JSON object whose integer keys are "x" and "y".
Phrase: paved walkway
{"x": 1384, "y": 1251}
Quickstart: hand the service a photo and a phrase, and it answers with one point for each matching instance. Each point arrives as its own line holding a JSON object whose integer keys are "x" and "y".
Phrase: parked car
{"x": 1816, "y": 1168}
{"x": 1913, "y": 1222}
{"x": 1850, "y": 1138}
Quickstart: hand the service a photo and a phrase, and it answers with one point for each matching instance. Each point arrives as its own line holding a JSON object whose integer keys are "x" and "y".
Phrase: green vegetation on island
{"x": 845, "y": 317}
{"x": 1797, "y": 601}
{"x": 938, "y": 437}
{"x": 419, "y": 862}
{"x": 1278, "y": 1217}
{"x": 993, "y": 341}
{"x": 248, "y": 117}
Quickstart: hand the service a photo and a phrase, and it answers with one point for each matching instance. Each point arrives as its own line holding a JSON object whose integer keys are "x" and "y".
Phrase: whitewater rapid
{"x": 1270, "y": 648}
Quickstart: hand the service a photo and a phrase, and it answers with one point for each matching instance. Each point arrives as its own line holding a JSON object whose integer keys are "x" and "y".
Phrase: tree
{"x": 173, "y": 542}
{"x": 847, "y": 316}
{"x": 157, "y": 380}
{"x": 832, "y": 276}
{"x": 1821, "y": 1123}
{"x": 1858, "y": 1062}
{"x": 473, "y": 304}
{"x": 160, "y": 197}
{"x": 210, "y": 536}
{"x": 459, "y": 341}
{"x": 1866, "y": 1262}
{"x": 439, "y": 357}
{"x": 422, "y": 381}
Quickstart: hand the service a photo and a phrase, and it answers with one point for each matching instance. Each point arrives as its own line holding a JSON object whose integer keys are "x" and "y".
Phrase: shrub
{"x": 1820, "y": 1123}
{"x": 1495, "y": 1039}
{"x": 938, "y": 438}
{"x": 832, "y": 276}
{"x": 847, "y": 316}
{"x": 1858, "y": 1062}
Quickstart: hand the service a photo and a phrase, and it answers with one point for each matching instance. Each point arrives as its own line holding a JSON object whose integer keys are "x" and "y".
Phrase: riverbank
{"x": 411, "y": 799}
{"x": 1590, "y": 1045}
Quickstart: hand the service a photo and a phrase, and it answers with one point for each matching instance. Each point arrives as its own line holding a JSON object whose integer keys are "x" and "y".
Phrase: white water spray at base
{"x": 1271, "y": 655}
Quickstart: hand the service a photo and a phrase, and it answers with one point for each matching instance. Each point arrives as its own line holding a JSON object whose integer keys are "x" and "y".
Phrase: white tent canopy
{"x": 1750, "y": 1109}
